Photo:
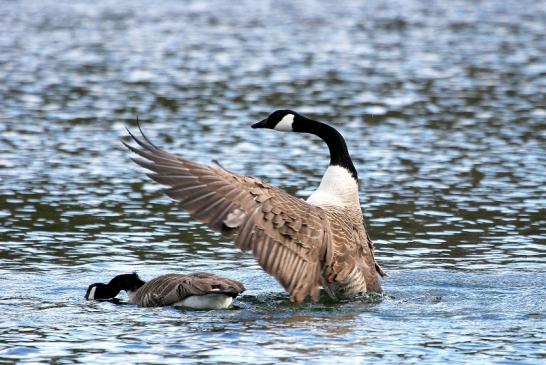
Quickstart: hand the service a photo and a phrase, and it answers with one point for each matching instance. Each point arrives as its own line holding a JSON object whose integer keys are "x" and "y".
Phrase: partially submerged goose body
{"x": 304, "y": 244}
{"x": 197, "y": 290}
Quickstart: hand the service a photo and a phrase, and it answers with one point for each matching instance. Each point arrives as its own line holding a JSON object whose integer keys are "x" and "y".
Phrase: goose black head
{"x": 98, "y": 291}
{"x": 283, "y": 120}
{"x": 290, "y": 121}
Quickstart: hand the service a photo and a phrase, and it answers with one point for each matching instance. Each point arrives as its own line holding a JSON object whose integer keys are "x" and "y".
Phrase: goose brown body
{"x": 171, "y": 289}
{"x": 351, "y": 269}
{"x": 304, "y": 245}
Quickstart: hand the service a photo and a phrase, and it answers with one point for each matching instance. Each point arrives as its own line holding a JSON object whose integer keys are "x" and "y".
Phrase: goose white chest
{"x": 337, "y": 188}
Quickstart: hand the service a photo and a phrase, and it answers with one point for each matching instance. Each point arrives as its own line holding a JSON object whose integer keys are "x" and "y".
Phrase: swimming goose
{"x": 322, "y": 241}
{"x": 197, "y": 290}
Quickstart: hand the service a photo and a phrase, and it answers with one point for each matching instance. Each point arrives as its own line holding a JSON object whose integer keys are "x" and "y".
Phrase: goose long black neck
{"x": 113, "y": 288}
{"x": 110, "y": 290}
{"x": 126, "y": 282}
{"x": 339, "y": 154}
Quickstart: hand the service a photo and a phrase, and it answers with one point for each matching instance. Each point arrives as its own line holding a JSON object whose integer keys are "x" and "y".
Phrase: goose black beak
{"x": 260, "y": 124}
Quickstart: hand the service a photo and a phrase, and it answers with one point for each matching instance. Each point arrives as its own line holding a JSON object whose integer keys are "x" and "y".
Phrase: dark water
{"x": 444, "y": 110}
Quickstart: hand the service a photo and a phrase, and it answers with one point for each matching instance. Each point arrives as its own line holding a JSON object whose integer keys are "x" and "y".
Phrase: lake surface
{"x": 444, "y": 110}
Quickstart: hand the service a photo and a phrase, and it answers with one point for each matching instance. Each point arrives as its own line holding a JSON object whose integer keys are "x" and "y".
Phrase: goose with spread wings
{"x": 305, "y": 245}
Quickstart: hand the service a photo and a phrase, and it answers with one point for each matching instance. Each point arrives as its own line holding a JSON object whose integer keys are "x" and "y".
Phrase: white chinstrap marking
{"x": 131, "y": 294}
{"x": 337, "y": 188}
{"x": 208, "y": 301}
{"x": 92, "y": 293}
{"x": 285, "y": 125}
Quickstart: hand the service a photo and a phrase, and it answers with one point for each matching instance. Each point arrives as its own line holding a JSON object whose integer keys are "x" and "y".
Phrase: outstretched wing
{"x": 289, "y": 238}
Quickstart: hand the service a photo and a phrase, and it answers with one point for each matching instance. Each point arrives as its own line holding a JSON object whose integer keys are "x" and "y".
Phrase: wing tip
{"x": 147, "y": 144}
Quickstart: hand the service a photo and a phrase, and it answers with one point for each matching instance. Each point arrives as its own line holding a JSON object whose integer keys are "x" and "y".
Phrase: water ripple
{"x": 443, "y": 109}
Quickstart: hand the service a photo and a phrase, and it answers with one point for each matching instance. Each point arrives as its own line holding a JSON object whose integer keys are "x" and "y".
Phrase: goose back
{"x": 170, "y": 289}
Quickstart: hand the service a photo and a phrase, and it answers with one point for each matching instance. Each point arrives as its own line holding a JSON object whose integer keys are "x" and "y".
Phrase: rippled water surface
{"x": 443, "y": 106}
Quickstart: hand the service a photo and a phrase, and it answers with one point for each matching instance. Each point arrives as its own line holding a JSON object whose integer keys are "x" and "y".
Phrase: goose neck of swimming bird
{"x": 103, "y": 291}
{"x": 131, "y": 283}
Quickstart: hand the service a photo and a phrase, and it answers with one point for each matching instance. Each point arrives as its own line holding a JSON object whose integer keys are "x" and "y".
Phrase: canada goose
{"x": 198, "y": 290}
{"x": 303, "y": 244}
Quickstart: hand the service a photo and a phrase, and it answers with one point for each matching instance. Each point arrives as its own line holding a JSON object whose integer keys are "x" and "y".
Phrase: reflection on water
{"x": 443, "y": 109}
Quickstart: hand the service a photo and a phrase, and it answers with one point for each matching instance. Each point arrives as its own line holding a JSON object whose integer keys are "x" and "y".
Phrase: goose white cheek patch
{"x": 285, "y": 125}
{"x": 92, "y": 293}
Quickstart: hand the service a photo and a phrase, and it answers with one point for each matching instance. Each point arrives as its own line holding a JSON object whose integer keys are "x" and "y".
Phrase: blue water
{"x": 443, "y": 109}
